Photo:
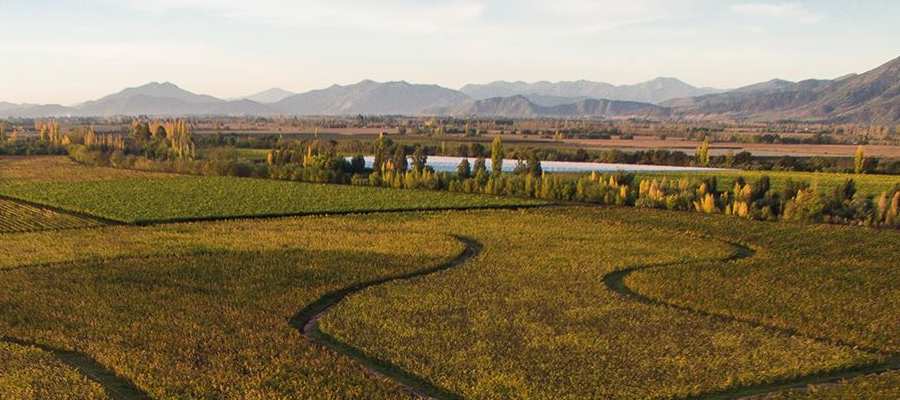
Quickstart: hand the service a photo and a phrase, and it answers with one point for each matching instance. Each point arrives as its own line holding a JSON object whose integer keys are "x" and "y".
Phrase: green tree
{"x": 420, "y": 159}
{"x": 464, "y": 170}
{"x": 534, "y": 165}
{"x": 859, "y": 161}
{"x": 399, "y": 159}
{"x": 380, "y": 148}
{"x": 497, "y": 155}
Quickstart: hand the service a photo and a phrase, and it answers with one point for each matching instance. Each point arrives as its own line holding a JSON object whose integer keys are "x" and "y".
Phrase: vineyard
{"x": 18, "y": 217}
{"x": 140, "y": 198}
{"x": 423, "y": 294}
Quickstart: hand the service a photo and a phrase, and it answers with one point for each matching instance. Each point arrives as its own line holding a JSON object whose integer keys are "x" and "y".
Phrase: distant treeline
{"x": 741, "y": 160}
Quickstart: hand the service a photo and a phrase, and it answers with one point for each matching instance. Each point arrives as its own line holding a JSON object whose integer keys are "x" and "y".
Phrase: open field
{"x": 566, "y": 302}
{"x": 145, "y": 198}
{"x": 29, "y": 373}
{"x": 62, "y": 169}
{"x": 213, "y": 325}
{"x": 563, "y": 334}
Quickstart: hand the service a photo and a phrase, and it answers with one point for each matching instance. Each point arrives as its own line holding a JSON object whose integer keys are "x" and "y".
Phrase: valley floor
{"x": 489, "y": 298}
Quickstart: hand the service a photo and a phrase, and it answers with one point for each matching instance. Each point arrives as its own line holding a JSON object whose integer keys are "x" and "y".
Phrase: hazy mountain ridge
{"x": 270, "y": 96}
{"x": 655, "y": 91}
{"x": 870, "y": 97}
{"x": 522, "y": 107}
{"x": 369, "y": 97}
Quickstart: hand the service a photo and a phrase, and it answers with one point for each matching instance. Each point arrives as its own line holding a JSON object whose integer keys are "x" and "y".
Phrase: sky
{"x": 68, "y": 51}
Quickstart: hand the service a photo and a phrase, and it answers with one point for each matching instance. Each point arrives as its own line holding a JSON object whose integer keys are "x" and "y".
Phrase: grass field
{"x": 61, "y": 169}
{"x": 565, "y": 302}
{"x": 144, "y": 198}
{"x": 531, "y": 317}
{"x": 27, "y": 373}
{"x": 213, "y": 325}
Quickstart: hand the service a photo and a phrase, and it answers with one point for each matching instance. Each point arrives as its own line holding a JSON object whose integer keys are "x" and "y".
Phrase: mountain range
{"x": 655, "y": 91}
{"x": 870, "y": 97}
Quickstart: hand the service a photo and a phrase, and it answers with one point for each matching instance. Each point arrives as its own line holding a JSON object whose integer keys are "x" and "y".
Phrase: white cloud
{"x": 789, "y": 11}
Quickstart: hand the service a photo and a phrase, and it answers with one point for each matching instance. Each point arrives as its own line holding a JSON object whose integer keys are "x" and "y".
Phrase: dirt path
{"x": 615, "y": 281}
{"x": 306, "y": 321}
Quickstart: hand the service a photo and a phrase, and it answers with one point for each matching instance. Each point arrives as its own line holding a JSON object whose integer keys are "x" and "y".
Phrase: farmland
{"x": 29, "y": 373}
{"x": 559, "y": 339}
{"x": 179, "y": 297}
{"x": 18, "y": 217}
{"x": 141, "y": 198}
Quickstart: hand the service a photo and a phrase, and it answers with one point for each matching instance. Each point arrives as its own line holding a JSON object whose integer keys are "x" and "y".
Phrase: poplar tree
{"x": 497, "y": 155}
{"x": 703, "y": 153}
{"x": 464, "y": 170}
{"x": 859, "y": 161}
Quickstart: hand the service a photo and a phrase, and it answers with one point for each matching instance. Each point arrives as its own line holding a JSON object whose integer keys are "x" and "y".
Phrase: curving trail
{"x": 306, "y": 321}
{"x": 115, "y": 386}
{"x": 615, "y": 281}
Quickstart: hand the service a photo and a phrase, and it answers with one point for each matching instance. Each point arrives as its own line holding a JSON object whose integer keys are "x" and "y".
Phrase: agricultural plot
{"x": 18, "y": 217}
{"x": 532, "y": 317}
{"x": 154, "y": 199}
{"x": 213, "y": 325}
{"x": 29, "y": 373}
{"x": 61, "y": 169}
{"x": 838, "y": 282}
{"x": 546, "y": 303}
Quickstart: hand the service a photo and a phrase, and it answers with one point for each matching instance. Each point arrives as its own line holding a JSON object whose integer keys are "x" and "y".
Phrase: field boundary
{"x": 306, "y": 321}
{"x": 615, "y": 282}
{"x": 115, "y": 386}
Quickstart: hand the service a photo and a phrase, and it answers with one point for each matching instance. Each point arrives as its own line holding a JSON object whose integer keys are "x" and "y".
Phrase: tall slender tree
{"x": 703, "y": 153}
{"x": 497, "y": 155}
{"x": 859, "y": 161}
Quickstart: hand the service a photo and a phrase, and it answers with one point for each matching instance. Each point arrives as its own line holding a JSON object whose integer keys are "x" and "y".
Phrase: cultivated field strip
{"x": 615, "y": 281}
{"x": 307, "y": 322}
{"x": 17, "y": 216}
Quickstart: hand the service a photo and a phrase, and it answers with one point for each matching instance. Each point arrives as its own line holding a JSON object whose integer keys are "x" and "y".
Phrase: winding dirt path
{"x": 306, "y": 321}
{"x": 615, "y": 281}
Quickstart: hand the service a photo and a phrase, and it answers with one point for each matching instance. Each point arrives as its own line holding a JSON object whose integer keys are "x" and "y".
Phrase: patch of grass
{"x": 834, "y": 281}
{"x": 532, "y": 318}
{"x": 27, "y": 373}
{"x": 213, "y": 326}
{"x": 139, "y": 200}
{"x": 61, "y": 169}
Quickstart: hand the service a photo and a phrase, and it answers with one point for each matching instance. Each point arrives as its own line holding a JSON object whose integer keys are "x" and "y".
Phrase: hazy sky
{"x": 64, "y": 51}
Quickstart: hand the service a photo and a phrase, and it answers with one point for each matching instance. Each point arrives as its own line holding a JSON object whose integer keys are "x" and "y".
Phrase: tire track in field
{"x": 307, "y": 322}
{"x": 115, "y": 386}
{"x": 615, "y": 281}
